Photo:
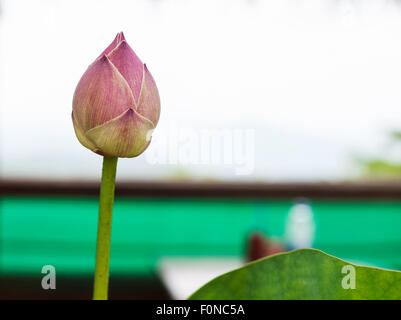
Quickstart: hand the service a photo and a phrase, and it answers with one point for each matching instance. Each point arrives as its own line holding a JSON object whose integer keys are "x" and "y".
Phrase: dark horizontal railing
{"x": 343, "y": 190}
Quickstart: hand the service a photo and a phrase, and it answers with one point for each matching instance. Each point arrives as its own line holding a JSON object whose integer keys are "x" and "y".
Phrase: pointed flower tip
{"x": 117, "y": 39}
{"x": 120, "y": 37}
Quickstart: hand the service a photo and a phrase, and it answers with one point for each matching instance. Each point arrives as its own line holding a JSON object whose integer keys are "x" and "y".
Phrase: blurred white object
{"x": 183, "y": 276}
{"x": 300, "y": 227}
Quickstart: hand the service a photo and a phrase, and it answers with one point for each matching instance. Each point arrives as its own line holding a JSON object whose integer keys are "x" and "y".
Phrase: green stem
{"x": 104, "y": 228}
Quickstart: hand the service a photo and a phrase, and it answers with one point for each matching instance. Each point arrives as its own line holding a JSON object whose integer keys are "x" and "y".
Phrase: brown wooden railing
{"x": 343, "y": 190}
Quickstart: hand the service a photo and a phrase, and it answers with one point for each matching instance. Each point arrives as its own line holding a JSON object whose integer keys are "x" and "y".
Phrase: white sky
{"x": 319, "y": 81}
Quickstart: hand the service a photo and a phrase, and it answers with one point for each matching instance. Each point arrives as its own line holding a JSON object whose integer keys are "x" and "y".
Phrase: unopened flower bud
{"x": 116, "y": 103}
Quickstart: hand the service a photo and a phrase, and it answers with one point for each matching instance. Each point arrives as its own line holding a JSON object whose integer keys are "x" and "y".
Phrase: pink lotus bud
{"x": 116, "y": 104}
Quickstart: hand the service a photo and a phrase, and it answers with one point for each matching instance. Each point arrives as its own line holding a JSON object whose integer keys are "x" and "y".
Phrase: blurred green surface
{"x": 62, "y": 231}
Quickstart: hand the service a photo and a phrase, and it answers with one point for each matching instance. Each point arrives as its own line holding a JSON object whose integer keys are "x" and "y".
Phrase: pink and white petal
{"x": 119, "y": 37}
{"x": 149, "y": 99}
{"x": 101, "y": 95}
{"x": 81, "y": 135}
{"x": 129, "y": 65}
{"x": 126, "y": 136}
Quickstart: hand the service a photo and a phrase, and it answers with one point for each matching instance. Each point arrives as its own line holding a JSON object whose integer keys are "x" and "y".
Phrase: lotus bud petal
{"x": 116, "y": 104}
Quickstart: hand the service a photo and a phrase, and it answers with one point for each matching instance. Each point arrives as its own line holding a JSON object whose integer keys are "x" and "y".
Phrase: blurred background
{"x": 280, "y": 128}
